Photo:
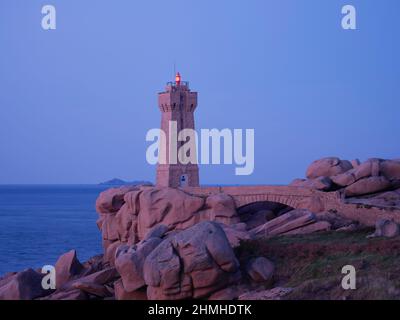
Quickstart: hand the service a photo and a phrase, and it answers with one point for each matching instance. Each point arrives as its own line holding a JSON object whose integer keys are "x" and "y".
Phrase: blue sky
{"x": 77, "y": 102}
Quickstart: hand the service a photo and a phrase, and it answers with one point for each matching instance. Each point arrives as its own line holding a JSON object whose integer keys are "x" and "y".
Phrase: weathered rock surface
{"x": 259, "y": 217}
{"x": 286, "y": 223}
{"x": 260, "y": 270}
{"x": 191, "y": 264}
{"x": 386, "y": 228}
{"x": 327, "y": 167}
{"x": 127, "y": 215}
{"x": 122, "y": 294}
{"x": 73, "y": 294}
{"x": 97, "y": 284}
{"x": 354, "y": 179}
{"x": 335, "y": 220}
{"x": 386, "y": 199}
{"x": 236, "y": 233}
{"x": 25, "y": 285}
{"x": 165, "y": 243}
{"x": 111, "y": 200}
{"x": 311, "y": 228}
{"x": 367, "y": 186}
{"x": 391, "y": 169}
{"x": 67, "y": 267}
{"x": 319, "y": 183}
{"x": 93, "y": 288}
{"x": 130, "y": 260}
{"x": 344, "y": 179}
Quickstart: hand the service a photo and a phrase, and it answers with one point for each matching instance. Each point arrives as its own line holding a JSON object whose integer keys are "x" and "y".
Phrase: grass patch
{"x": 312, "y": 264}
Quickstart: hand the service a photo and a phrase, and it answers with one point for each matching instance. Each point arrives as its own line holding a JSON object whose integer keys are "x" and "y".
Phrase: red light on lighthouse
{"x": 178, "y": 79}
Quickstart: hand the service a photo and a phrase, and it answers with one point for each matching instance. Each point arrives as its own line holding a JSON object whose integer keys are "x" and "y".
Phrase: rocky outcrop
{"x": 25, "y": 285}
{"x": 126, "y": 215}
{"x": 97, "y": 285}
{"x": 260, "y": 270}
{"x": 294, "y": 222}
{"x": 391, "y": 169}
{"x": 191, "y": 264}
{"x": 166, "y": 243}
{"x": 67, "y": 267}
{"x": 327, "y": 167}
{"x": 319, "y": 183}
{"x": 386, "y": 199}
{"x": 353, "y": 178}
{"x": 130, "y": 260}
{"x": 367, "y": 186}
{"x": 236, "y": 233}
{"x": 386, "y": 228}
{"x": 121, "y": 294}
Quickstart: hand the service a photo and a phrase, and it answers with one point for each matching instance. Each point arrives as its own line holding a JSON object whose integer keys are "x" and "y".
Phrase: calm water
{"x": 39, "y": 223}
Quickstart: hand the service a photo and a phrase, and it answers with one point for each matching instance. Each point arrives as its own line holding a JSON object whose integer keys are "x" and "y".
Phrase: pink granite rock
{"x": 391, "y": 169}
{"x": 110, "y": 228}
{"x": 386, "y": 228}
{"x": 355, "y": 163}
{"x": 388, "y": 199}
{"x": 236, "y": 233}
{"x": 109, "y": 254}
{"x": 327, "y": 167}
{"x": 94, "y": 264}
{"x": 221, "y": 208}
{"x": 301, "y": 221}
{"x": 369, "y": 168}
{"x": 367, "y": 186}
{"x": 130, "y": 260}
{"x": 141, "y": 209}
{"x": 73, "y": 294}
{"x": 191, "y": 264}
{"x": 289, "y": 221}
{"x": 260, "y": 270}
{"x": 311, "y": 228}
{"x": 92, "y": 288}
{"x": 344, "y": 179}
{"x": 167, "y": 206}
{"x": 111, "y": 200}
{"x": 319, "y": 183}
{"x": 157, "y": 231}
{"x": 67, "y": 267}
{"x": 25, "y": 285}
{"x": 258, "y": 218}
{"x": 103, "y": 277}
{"x": 122, "y": 294}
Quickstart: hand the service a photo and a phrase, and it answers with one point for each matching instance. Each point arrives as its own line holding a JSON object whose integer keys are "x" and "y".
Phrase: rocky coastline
{"x": 171, "y": 244}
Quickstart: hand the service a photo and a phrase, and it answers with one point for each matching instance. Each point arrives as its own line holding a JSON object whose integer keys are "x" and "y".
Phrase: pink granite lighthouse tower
{"x": 177, "y": 105}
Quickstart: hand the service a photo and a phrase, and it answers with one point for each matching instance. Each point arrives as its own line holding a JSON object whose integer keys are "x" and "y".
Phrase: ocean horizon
{"x": 38, "y": 223}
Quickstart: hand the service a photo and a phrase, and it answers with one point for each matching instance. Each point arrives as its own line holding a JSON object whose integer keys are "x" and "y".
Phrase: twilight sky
{"x": 76, "y": 102}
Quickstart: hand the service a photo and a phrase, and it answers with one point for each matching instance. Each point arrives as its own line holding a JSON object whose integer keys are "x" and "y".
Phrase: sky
{"x": 76, "y": 102}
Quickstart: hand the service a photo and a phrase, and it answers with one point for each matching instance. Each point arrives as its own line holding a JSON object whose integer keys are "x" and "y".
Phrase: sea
{"x": 38, "y": 223}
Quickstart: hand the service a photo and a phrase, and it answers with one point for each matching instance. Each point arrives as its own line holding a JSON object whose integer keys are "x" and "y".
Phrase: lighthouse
{"x": 177, "y": 105}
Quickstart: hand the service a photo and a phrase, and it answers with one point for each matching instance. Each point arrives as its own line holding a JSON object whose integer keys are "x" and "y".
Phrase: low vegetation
{"x": 312, "y": 264}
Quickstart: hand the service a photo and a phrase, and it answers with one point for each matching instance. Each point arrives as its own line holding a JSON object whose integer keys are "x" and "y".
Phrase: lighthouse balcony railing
{"x": 175, "y": 84}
